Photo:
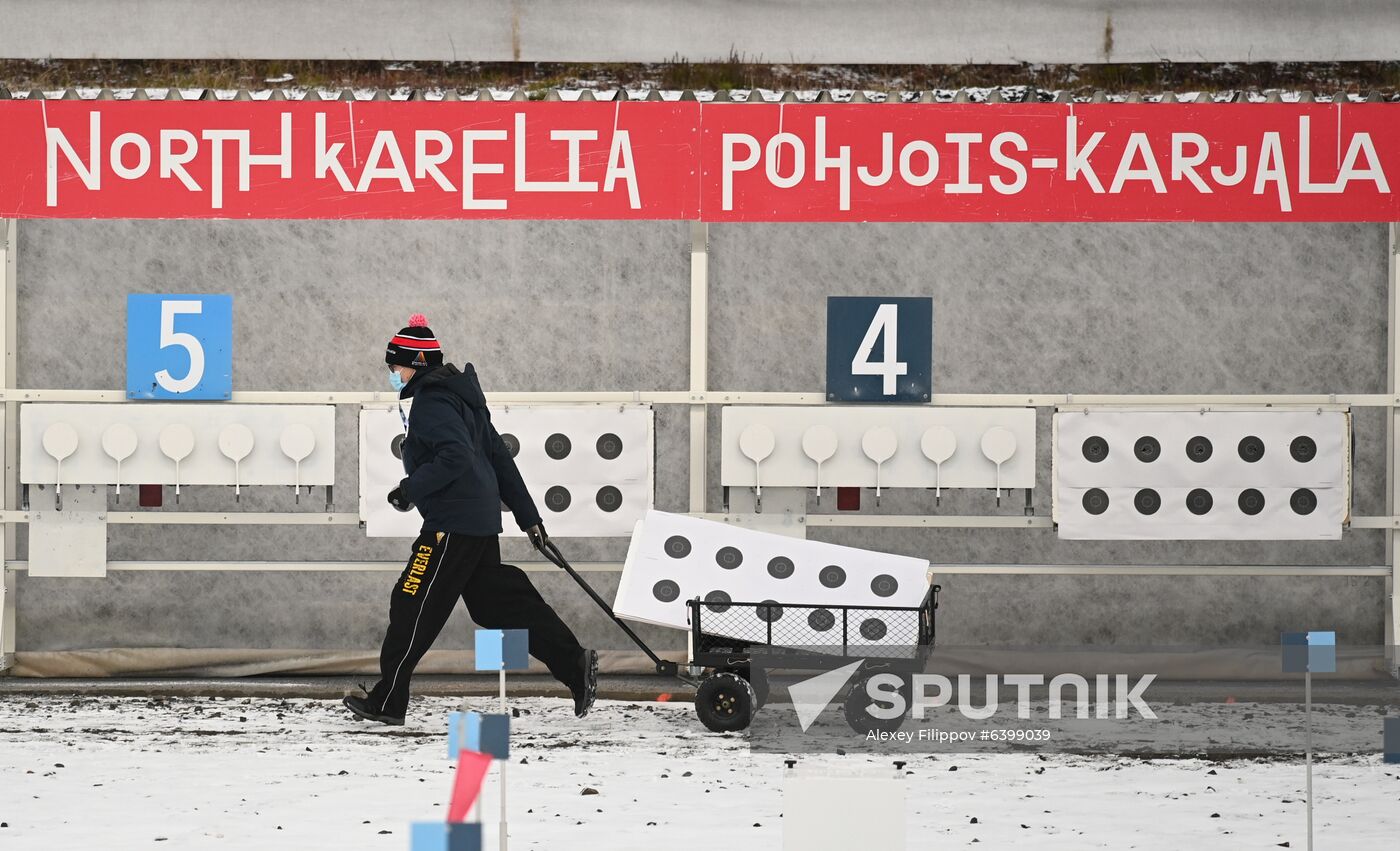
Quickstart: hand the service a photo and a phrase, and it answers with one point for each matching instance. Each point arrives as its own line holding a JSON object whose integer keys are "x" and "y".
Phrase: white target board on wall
{"x": 588, "y": 467}
{"x": 1192, "y": 475}
{"x": 888, "y": 447}
{"x": 674, "y": 558}
{"x": 177, "y": 443}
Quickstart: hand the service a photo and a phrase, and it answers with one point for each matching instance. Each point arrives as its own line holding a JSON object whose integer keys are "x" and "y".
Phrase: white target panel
{"x": 588, "y": 468}
{"x": 179, "y": 443}
{"x": 674, "y": 558}
{"x": 1192, "y": 475}
{"x": 888, "y": 447}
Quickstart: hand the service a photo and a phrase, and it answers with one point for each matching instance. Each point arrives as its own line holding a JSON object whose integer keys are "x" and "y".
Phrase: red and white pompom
{"x": 418, "y": 320}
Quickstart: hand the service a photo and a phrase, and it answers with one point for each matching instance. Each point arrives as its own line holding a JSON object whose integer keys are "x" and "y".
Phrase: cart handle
{"x": 551, "y": 551}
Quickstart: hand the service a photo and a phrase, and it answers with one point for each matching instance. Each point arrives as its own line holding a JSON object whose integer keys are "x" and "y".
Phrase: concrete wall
{"x": 1188, "y": 308}
{"x": 1071, "y": 308}
{"x": 811, "y": 31}
{"x": 535, "y": 306}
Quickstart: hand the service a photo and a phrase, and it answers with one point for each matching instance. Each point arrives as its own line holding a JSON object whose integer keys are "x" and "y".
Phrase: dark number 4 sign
{"x": 179, "y": 347}
{"x": 879, "y": 349}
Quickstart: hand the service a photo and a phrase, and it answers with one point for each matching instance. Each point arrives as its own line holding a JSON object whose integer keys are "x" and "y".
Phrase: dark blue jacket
{"x": 459, "y": 470}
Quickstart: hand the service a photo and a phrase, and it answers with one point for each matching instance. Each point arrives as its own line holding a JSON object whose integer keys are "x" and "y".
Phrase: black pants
{"x": 442, "y": 568}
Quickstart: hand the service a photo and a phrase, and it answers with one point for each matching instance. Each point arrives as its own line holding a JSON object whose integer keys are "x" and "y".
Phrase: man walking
{"x": 459, "y": 471}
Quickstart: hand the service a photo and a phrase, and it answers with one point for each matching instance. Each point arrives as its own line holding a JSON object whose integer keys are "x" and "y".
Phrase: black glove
{"x": 538, "y": 536}
{"x": 398, "y": 500}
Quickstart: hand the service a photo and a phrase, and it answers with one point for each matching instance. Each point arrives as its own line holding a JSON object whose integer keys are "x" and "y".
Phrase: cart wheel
{"x": 860, "y": 719}
{"x": 725, "y": 702}
{"x": 757, "y": 678}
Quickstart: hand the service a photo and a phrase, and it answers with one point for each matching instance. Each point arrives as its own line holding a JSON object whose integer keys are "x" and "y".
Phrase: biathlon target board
{"x": 1193, "y": 475}
{"x": 121, "y": 443}
{"x": 588, "y": 467}
{"x": 674, "y": 558}
{"x": 962, "y": 463}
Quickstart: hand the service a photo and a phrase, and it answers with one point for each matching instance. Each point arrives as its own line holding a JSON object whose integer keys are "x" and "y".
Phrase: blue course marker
{"x": 441, "y": 836}
{"x": 464, "y": 836}
{"x": 1322, "y": 652}
{"x": 428, "y": 836}
{"x": 1314, "y": 652}
{"x": 502, "y": 649}
{"x": 1392, "y": 740}
{"x": 473, "y": 731}
{"x": 456, "y": 734}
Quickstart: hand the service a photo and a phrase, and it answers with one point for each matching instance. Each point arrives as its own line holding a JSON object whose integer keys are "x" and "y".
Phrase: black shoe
{"x": 583, "y": 699}
{"x": 362, "y": 709}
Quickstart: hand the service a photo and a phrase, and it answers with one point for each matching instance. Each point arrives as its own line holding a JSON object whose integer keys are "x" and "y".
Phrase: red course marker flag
{"x": 471, "y": 770}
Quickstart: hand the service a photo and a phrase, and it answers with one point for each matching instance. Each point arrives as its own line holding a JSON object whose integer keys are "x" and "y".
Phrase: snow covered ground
{"x": 118, "y": 773}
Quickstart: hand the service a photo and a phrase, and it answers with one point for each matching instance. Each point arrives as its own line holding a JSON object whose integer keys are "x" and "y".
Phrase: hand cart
{"x": 885, "y": 639}
{"x": 729, "y": 689}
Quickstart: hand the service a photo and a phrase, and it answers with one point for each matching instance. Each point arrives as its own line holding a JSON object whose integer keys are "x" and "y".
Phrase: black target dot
{"x": 832, "y": 576}
{"x": 1199, "y": 501}
{"x": 1199, "y": 448}
{"x": 729, "y": 558}
{"x": 1251, "y": 502}
{"x": 1303, "y": 501}
{"x": 512, "y": 444}
{"x": 717, "y": 602}
{"x": 1251, "y": 449}
{"x": 821, "y": 620}
{"x": 396, "y": 446}
{"x": 666, "y": 591}
{"x": 557, "y": 446}
{"x": 677, "y": 546}
{"x": 1147, "y": 501}
{"x": 609, "y": 498}
{"x": 872, "y": 629}
{"x": 769, "y": 611}
{"x": 1303, "y": 449}
{"x": 1147, "y": 449}
{"x": 1095, "y": 501}
{"x": 557, "y": 498}
{"x": 1095, "y": 449}
{"x": 884, "y": 585}
{"x": 780, "y": 567}
{"x": 609, "y": 446}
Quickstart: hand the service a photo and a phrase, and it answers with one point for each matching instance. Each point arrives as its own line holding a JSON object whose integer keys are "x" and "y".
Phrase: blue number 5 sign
{"x": 179, "y": 346}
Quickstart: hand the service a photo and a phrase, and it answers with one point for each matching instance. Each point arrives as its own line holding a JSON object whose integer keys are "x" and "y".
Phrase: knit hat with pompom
{"x": 414, "y": 346}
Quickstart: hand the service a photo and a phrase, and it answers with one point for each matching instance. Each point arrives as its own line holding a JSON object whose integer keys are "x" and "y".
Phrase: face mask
{"x": 395, "y": 381}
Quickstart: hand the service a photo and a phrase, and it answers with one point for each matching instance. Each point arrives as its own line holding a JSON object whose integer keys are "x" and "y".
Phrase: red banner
{"x": 716, "y": 162}
{"x": 368, "y": 160}
{"x": 1052, "y": 162}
